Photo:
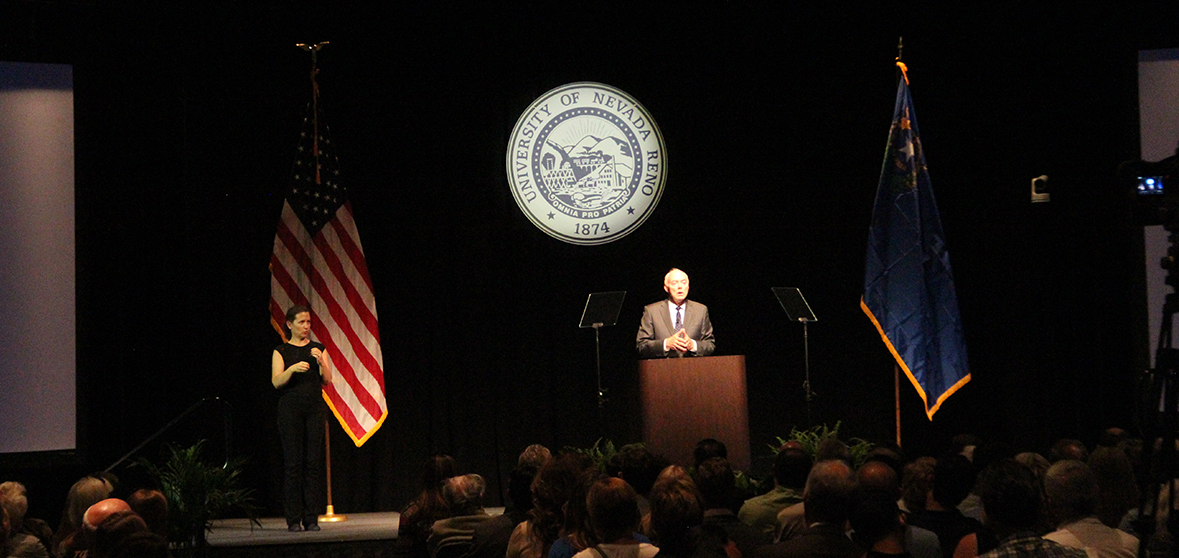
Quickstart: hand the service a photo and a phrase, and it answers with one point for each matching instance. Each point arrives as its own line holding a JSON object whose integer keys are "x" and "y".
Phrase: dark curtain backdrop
{"x": 775, "y": 120}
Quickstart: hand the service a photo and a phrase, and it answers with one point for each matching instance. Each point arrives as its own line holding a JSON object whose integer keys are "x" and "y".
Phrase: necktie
{"x": 679, "y": 322}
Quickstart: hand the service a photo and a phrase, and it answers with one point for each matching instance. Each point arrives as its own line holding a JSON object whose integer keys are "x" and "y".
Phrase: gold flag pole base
{"x": 332, "y": 517}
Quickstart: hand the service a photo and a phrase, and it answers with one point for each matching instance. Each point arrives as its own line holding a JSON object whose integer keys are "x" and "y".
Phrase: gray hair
{"x": 14, "y": 498}
{"x": 464, "y": 492}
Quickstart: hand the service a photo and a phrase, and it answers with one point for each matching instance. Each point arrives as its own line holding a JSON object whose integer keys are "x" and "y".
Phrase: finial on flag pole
{"x": 900, "y": 54}
{"x": 314, "y": 49}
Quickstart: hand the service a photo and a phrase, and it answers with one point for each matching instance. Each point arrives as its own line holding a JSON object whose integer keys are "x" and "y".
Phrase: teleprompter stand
{"x": 601, "y": 309}
{"x": 798, "y": 310}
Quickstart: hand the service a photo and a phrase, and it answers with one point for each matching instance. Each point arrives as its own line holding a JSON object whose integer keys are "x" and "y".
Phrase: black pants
{"x": 300, "y": 428}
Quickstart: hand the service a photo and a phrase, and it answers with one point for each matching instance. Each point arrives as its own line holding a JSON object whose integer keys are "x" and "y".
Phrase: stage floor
{"x": 358, "y": 527}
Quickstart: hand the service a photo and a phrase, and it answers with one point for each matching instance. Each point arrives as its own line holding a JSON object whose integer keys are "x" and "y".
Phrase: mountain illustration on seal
{"x": 589, "y": 174}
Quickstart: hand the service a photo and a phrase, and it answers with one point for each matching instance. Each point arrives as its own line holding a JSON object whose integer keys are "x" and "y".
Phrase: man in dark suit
{"x": 676, "y": 326}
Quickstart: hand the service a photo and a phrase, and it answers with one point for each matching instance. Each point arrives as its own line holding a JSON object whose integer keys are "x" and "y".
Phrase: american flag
{"x": 318, "y": 262}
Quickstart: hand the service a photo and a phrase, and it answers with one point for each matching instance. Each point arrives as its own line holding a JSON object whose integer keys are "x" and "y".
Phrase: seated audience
{"x": 676, "y": 510}
{"x": 717, "y": 484}
{"x": 959, "y": 536}
{"x": 429, "y": 506}
{"x": 576, "y": 532}
{"x": 826, "y": 497}
{"x": 916, "y": 482}
{"x": 791, "y": 467}
{"x": 614, "y": 513}
{"x": 490, "y": 539}
{"x": 876, "y": 478}
{"x": 451, "y": 537}
{"x": 85, "y": 493}
{"x": 152, "y": 507}
{"x": 21, "y": 542}
{"x": 1011, "y": 506}
{"x": 113, "y": 529}
{"x": 1068, "y": 448}
{"x": 706, "y": 449}
{"x": 636, "y": 465}
{"x": 534, "y": 456}
{"x": 792, "y": 520}
{"x": 551, "y": 490}
{"x": 1118, "y": 490}
{"x": 1071, "y": 488}
{"x": 876, "y": 523}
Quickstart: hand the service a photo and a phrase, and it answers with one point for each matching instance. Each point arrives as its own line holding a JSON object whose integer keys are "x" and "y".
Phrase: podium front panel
{"x": 685, "y": 400}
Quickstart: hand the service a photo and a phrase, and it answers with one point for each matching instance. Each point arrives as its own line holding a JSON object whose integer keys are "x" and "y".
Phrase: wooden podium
{"x": 685, "y": 400}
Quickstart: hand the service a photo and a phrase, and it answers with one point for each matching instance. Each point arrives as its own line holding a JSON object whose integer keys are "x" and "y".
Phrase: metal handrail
{"x": 226, "y": 411}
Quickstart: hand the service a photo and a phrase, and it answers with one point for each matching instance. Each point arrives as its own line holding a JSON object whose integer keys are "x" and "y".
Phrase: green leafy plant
{"x": 812, "y": 438}
{"x": 601, "y": 452}
{"x": 198, "y": 493}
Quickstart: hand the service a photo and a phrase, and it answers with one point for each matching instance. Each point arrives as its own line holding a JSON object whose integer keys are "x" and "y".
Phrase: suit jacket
{"x": 656, "y": 326}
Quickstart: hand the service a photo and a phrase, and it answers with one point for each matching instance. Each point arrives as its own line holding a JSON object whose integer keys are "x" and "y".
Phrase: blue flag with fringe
{"x": 908, "y": 285}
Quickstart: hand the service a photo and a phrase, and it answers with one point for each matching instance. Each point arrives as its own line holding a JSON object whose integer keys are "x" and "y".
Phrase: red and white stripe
{"x": 328, "y": 274}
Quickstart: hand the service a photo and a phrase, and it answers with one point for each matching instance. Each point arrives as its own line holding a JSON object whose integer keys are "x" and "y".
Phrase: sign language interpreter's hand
{"x": 301, "y": 366}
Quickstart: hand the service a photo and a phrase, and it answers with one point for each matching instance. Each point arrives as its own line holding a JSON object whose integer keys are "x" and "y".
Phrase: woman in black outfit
{"x": 299, "y": 369}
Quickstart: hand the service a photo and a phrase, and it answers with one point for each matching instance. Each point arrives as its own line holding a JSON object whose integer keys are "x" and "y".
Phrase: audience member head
{"x": 828, "y": 491}
{"x": 102, "y": 509}
{"x": 464, "y": 494}
{"x": 88, "y": 491}
{"x": 613, "y": 509}
{"x": 1068, "y": 448}
{"x": 15, "y": 501}
{"x": 791, "y": 467}
{"x": 833, "y": 448}
{"x": 635, "y": 464}
{"x": 708, "y": 448}
{"x": 552, "y": 488}
{"x": 891, "y": 456}
{"x": 877, "y": 477}
{"x": 953, "y": 477}
{"x": 534, "y": 456}
{"x": 429, "y": 506}
{"x": 113, "y": 529}
{"x": 674, "y": 473}
{"x": 577, "y": 526}
{"x": 1115, "y": 476}
{"x": 152, "y": 506}
{"x": 717, "y": 483}
{"x": 916, "y": 482}
{"x": 1034, "y": 461}
{"x": 1071, "y": 488}
{"x": 874, "y": 515}
{"x": 676, "y": 507}
{"x": 1010, "y": 497}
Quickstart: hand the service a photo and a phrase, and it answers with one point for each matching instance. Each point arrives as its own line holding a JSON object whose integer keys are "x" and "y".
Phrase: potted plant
{"x": 198, "y": 493}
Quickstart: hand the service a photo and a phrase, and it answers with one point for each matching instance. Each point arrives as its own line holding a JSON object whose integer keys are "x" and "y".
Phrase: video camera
{"x": 1155, "y": 189}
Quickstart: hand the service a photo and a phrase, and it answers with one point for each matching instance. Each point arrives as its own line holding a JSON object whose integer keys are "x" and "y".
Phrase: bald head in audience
{"x": 103, "y": 509}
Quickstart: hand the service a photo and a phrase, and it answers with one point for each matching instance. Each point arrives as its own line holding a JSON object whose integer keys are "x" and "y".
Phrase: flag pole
{"x": 313, "y": 48}
{"x": 896, "y": 368}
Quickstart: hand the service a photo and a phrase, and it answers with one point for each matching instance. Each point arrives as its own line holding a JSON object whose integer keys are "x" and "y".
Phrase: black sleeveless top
{"x": 308, "y": 382}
